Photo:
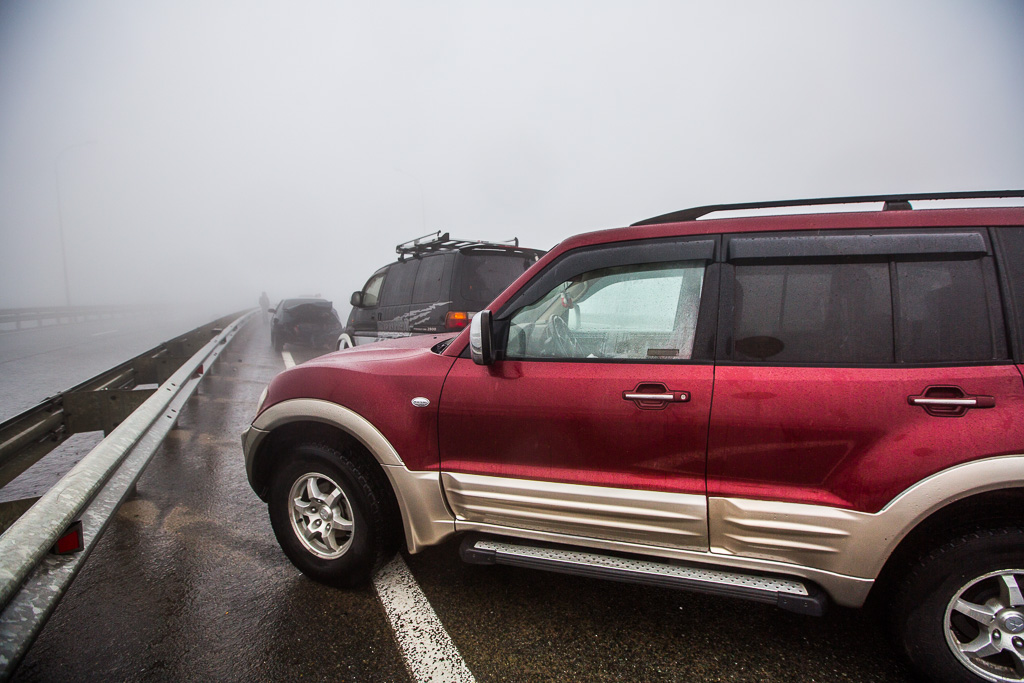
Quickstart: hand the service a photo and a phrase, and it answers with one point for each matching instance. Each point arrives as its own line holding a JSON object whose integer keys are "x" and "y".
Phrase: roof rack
{"x": 892, "y": 202}
{"x": 438, "y": 241}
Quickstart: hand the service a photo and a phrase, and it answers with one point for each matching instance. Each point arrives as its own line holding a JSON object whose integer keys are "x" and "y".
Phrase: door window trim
{"x": 586, "y": 259}
{"x": 787, "y": 246}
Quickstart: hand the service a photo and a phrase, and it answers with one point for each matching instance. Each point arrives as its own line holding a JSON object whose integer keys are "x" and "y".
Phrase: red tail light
{"x": 456, "y": 320}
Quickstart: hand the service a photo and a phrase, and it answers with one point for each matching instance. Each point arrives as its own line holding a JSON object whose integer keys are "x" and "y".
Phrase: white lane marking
{"x": 102, "y": 334}
{"x": 429, "y": 651}
{"x": 289, "y": 362}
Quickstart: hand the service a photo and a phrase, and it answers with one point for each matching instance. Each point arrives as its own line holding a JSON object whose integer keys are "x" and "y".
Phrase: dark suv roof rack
{"x": 438, "y": 241}
{"x": 892, "y": 202}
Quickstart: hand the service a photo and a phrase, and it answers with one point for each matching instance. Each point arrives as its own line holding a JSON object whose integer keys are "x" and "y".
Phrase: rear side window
{"x": 428, "y": 280}
{"x": 943, "y": 312}
{"x": 484, "y": 276}
{"x": 813, "y": 313}
{"x": 865, "y": 298}
{"x": 401, "y": 280}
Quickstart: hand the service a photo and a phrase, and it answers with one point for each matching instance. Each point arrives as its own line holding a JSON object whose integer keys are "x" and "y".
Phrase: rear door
{"x": 593, "y": 422}
{"x": 851, "y": 367}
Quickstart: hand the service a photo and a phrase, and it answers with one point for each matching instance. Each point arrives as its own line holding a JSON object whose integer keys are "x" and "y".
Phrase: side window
{"x": 428, "y": 280}
{"x": 813, "y": 313}
{"x": 371, "y": 290}
{"x": 399, "y": 285}
{"x": 624, "y": 312}
{"x": 944, "y": 314}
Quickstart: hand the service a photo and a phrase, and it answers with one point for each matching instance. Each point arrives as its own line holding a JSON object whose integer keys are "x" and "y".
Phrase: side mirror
{"x": 357, "y": 299}
{"x": 480, "y": 347}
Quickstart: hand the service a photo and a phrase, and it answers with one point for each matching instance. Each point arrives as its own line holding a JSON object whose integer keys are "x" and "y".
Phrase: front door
{"x": 594, "y": 421}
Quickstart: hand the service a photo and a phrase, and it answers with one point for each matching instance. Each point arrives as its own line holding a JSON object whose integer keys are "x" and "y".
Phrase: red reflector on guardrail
{"x": 199, "y": 371}
{"x": 72, "y": 541}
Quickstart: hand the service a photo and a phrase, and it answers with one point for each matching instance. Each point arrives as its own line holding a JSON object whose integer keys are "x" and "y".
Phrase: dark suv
{"x": 795, "y": 409}
{"x": 436, "y": 285}
{"x": 308, "y": 322}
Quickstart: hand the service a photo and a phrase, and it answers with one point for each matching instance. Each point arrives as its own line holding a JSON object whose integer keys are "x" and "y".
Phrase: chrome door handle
{"x": 918, "y": 401}
{"x": 648, "y": 397}
{"x": 654, "y": 396}
{"x": 949, "y": 401}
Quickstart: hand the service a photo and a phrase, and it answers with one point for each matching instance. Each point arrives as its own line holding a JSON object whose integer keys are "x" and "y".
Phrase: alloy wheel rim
{"x": 321, "y": 515}
{"x": 984, "y": 626}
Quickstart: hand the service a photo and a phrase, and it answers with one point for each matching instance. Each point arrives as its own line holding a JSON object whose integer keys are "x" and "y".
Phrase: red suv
{"x": 793, "y": 409}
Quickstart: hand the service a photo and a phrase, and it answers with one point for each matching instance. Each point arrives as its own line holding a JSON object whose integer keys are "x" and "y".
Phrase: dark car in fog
{"x": 308, "y": 322}
{"x": 436, "y": 285}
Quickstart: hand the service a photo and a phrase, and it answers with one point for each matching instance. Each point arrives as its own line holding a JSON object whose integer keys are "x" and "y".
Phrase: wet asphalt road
{"x": 189, "y": 584}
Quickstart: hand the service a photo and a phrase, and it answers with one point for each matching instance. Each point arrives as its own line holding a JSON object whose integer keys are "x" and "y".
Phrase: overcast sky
{"x": 216, "y": 149}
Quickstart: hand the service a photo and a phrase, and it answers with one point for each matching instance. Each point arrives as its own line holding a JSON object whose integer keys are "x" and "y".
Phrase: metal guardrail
{"x": 15, "y": 318}
{"x": 100, "y": 403}
{"x": 32, "y": 579}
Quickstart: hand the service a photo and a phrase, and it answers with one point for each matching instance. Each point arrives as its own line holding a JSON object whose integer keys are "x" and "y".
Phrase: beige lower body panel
{"x": 425, "y": 517}
{"x": 842, "y": 551}
{"x": 657, "y": 524}
{"x": 672, "y": 520}
{"x": 812, "y": 535}
{"x": 848, "y": 542}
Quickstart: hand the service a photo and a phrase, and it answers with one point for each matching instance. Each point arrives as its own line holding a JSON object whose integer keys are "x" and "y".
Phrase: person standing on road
{"x": 264, "y": 305}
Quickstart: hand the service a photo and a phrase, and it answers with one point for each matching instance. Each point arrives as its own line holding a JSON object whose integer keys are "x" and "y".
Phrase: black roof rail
{"x": 893, "y": 202}
{"x": 438, "y": 241}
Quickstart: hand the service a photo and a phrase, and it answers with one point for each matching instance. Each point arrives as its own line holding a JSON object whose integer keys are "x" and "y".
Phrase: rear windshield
{"x": 309, "y": 313}
{"x": 486, "y": 275}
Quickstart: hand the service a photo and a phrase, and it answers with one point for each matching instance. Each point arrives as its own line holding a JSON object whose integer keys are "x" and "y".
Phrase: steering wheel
{"x": 561, "y": 340}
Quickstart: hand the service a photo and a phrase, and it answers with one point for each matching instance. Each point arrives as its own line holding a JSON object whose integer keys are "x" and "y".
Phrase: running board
{"x": 789, "y": 594}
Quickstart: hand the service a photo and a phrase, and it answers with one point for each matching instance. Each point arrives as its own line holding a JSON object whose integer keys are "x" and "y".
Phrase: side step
{"x": 788, "y": 594}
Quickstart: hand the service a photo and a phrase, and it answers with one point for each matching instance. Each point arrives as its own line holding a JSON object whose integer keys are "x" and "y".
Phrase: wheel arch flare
{"x": 426, "y": 518}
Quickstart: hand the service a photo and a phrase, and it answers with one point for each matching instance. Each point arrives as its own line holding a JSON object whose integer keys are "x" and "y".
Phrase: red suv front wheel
{"x": 330, "y": 514}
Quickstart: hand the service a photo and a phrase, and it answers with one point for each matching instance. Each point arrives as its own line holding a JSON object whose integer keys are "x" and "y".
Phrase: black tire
{"x": 974, "y": 568}
{"x": 362, "y": 549}
{"x": 276, "y": 342}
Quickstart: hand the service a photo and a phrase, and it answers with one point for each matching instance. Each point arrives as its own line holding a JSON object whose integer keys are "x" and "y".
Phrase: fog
{"x": 206, "y": 151}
